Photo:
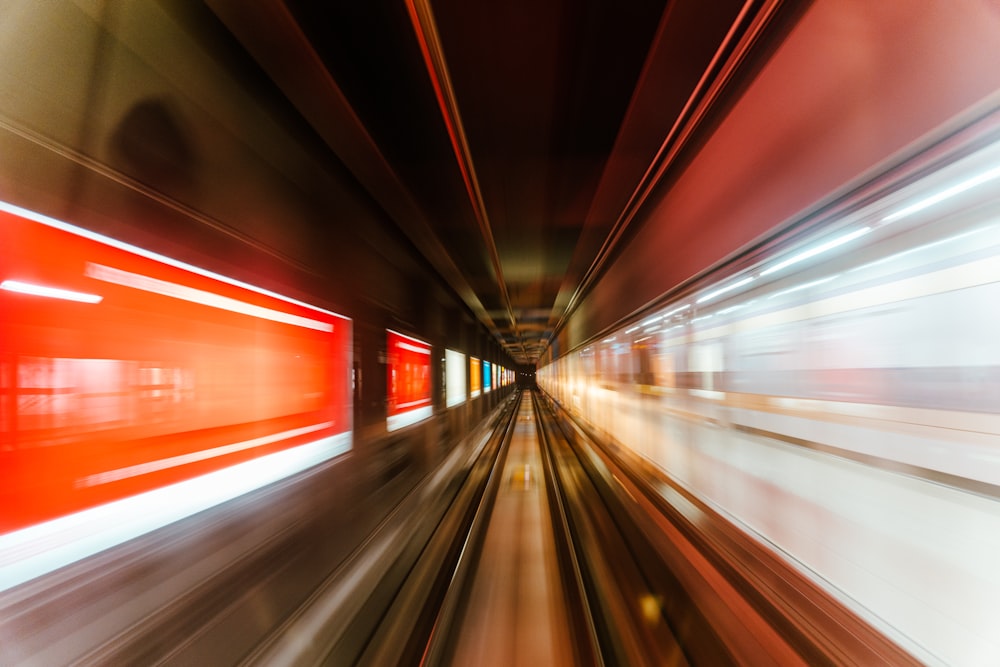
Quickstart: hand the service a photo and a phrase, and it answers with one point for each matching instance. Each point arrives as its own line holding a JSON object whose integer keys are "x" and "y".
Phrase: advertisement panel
{"x": 127, "y": 375}
{"x": 487, "y": 376}
{"x": 475, "y": 377}
{"x": 456, "y": 390}
{"x": 408, "y": 386}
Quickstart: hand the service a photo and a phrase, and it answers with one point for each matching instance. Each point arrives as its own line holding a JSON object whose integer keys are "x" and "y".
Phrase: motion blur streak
{"x": 812, "y": 252}
{"x": 50, "y": 292}
{"x": 31, "y": 552}
{"x": 152, "y": 466}
{"x": 973, "y": 182}
{"x": 173, "y": 378}
{"x": 880, "y": 353}
{"x": 164, "y": 288}
{"x": 7, "y": 207}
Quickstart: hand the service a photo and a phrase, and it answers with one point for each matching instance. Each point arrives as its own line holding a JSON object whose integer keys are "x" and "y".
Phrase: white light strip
{"x": 804, "y": 286}
{"x": 410, "y": 404}
{"x": 677, "y": 310}
{"x": 963, "y": 276}
{"x": 396, "y": 422}
{"x": 728, "y": 288}
{"x": 403, "y": 335}
{"x": 107, "y": 240}
{"x": 51, "y": 292}
{"x": 192, "y": 295}
{"x": 413, "y": 348}
{"x": 947, "y": 193}
{"x": 38, "y": 550}
{"x": 921, "y": 248}
{"x": 192, "y": 457}
{"x": 812, "y": 252}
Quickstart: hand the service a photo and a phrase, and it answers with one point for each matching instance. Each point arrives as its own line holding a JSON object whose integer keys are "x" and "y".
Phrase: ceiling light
{"x": 812, "y": 252}
{"x": 723, "y": 290}
{"x": 947, "y": 193}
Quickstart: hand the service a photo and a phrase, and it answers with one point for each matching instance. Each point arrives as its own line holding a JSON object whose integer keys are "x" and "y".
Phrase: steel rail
{"x": 627, "y": 605}
{"x": 415, "y": 628}
{"x": 583, "y": 626}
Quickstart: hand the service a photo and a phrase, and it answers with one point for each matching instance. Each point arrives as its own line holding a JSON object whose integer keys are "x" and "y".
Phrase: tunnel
{"x": 426, "y": 332}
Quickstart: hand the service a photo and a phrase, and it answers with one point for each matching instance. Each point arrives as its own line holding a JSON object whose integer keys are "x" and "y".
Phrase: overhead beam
{"x": 270, "y": 33}
{"x": 426, "y": 30}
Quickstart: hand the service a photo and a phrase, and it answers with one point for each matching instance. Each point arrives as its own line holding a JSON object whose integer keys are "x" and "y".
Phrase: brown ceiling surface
{"x": 512, "y": 142}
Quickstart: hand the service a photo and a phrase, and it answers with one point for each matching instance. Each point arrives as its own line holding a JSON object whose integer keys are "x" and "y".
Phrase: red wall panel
{"x": 409, "y": 380}
{"x": 173, "y": 373}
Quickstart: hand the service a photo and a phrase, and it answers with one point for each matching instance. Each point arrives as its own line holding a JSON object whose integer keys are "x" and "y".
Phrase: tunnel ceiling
{"x": 512, "y": 142}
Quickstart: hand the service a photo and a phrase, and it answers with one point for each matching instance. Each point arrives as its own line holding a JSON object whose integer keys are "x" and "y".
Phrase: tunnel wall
{"x": 851, "y": 89}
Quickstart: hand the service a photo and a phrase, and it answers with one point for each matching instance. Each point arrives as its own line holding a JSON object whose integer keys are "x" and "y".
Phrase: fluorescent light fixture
{"x": 947, "y": 193}
{"x": 895, "y": 256}
{"x": 609, "y": 340}
{"x": 50, "y": 292}
{"x": 812, "y": 252}
{"x": 803, "y": 286}
{"x": 723, "y": 290}
{"x": 677, "y": 310}
{"x": 732, "y": 308}
{"x": 652, "y": 320}
{"x": 630, "y": 330}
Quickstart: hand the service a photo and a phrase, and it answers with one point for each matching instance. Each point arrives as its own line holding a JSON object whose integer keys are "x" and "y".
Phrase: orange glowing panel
{"x": 475, "y": 377}
{"x": 123, "y": 371}
{"x": 409, "y": 382}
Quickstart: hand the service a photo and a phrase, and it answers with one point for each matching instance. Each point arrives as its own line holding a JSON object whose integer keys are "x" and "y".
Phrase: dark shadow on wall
{"x": 155, "y": 147}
